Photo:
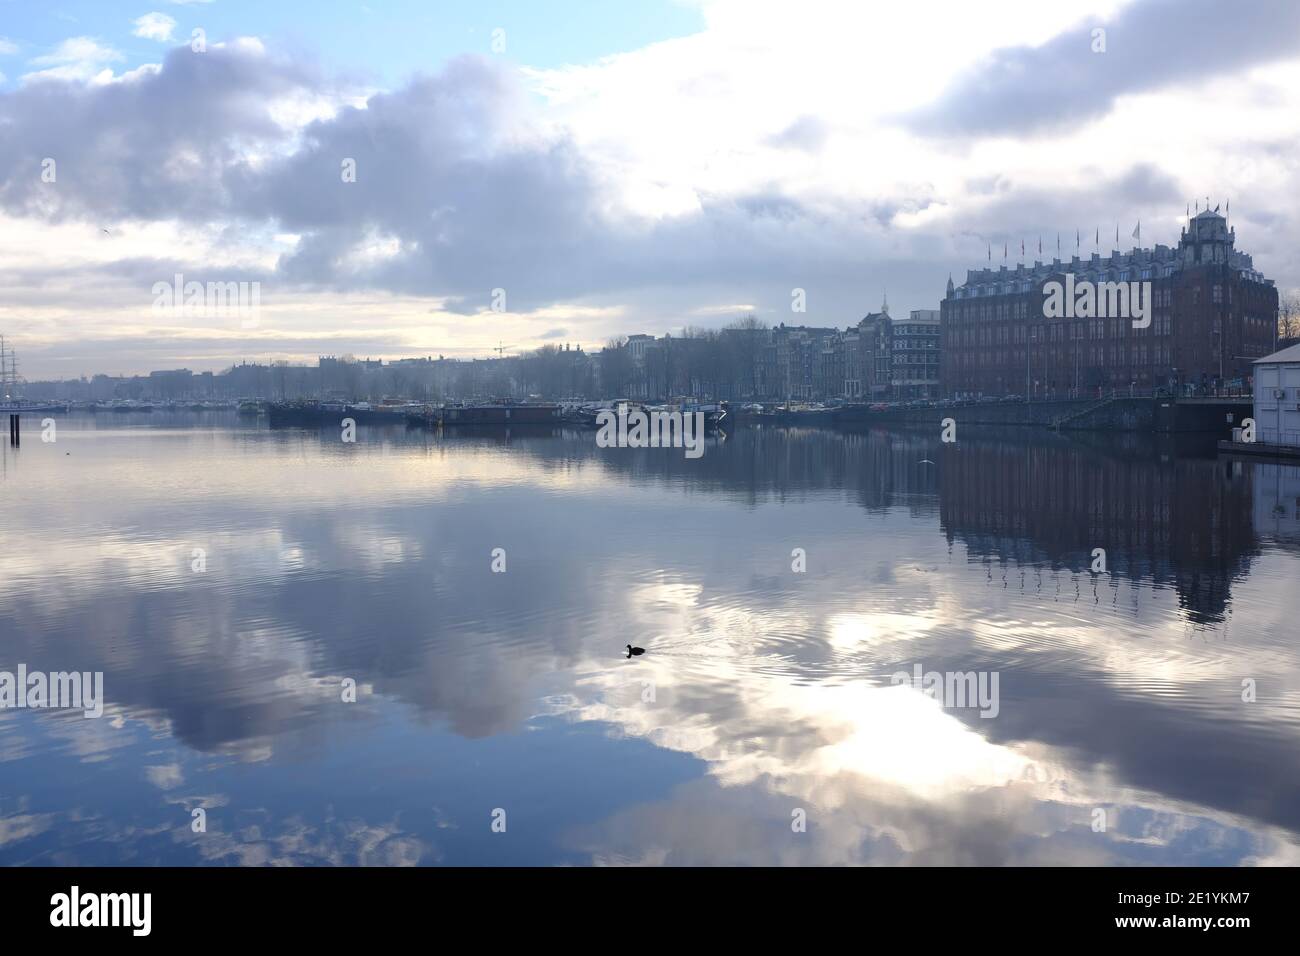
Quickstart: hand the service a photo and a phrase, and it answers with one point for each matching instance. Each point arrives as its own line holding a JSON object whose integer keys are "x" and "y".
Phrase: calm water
{"x": 763, "y": 691}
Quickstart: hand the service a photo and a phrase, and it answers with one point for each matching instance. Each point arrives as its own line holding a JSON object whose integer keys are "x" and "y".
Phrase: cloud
{"x": 7, "y": 47}
{"x": 165, "y": 777}
{"x": 1028, "y": 211}
{"x": 458, "y": 189}
{"x": 635, "y": 193}
{"x": 134, "y": 148}
{"x": 1065, "y": 82}
{"x": 807, "y": 133}
{"x": 75, "y": 59}
{"x": 155, "y": 26}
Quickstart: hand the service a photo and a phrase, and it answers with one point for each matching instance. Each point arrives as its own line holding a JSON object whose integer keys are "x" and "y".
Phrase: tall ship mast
{"x": 4, "y": 372}
{"x": 9, "y": 380}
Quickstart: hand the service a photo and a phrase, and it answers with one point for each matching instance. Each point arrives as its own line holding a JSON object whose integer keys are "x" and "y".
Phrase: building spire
{"x": 884, "y": 305}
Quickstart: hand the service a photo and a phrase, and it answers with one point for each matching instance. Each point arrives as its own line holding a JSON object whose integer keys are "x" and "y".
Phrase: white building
{"x": 1277, "y": 397}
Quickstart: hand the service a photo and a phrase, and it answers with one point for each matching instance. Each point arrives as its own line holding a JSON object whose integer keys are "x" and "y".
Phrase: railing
{"x": 1212, "y": 391}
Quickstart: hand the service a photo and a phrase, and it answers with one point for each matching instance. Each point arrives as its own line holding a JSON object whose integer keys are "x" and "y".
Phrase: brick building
{"x": 1212, "y": 316}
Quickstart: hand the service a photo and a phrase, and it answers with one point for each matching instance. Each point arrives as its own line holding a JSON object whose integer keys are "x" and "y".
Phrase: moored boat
{"x": 495, "y": 414}
{"x": 33, "y": 408}
{"x": 317, "y": 414}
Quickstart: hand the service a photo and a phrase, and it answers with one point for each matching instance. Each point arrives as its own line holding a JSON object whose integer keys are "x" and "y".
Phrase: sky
{"x": 435, "y": 178}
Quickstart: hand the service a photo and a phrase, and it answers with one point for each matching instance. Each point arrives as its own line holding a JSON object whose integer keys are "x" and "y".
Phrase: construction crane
{"x": 501, "y": 349}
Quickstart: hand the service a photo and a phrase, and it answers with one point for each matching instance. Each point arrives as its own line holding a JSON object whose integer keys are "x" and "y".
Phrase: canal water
{"x": 233, "y": 584}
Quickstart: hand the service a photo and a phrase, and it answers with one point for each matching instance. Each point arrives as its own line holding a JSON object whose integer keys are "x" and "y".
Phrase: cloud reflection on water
{"x": 1120, "y": 692}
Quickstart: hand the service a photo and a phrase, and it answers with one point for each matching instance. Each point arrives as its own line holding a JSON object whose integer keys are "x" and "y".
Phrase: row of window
{"x": 1021, "y": 308}
{"x": 1028, "y": 285}
{"x": 1092, "y": 356}
{"x": 1161, "y": 324}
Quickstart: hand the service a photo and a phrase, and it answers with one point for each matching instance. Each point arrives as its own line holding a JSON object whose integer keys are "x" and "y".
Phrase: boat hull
{"x": 291, "y": 414}
{"x": 487, "y": 416}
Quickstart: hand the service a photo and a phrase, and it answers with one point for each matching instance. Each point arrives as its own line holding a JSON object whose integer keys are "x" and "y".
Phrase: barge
{"x": 321, "y": 414}
{"x": 504, "y": 415}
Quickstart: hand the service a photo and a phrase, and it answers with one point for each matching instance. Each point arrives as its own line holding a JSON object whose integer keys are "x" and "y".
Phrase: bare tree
{"x": 1288, "y": 318}
{"x": 744, "y": 339}
{"x": 615, "y": 368}
{"x": 698, "y": 361}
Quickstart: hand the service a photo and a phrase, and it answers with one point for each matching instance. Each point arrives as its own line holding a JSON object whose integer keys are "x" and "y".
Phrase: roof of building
{"x": 1289, "y": 354}
{"x": 1156, "y": 262}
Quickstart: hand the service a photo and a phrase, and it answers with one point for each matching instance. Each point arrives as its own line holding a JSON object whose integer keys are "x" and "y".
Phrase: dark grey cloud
{"x": 1113, "y": 197}
{"x": 1012, "y": 212}
{"x": 448, "y": 167}
{"x": 1149, "y": 45}
{"x": 159, "y": 146}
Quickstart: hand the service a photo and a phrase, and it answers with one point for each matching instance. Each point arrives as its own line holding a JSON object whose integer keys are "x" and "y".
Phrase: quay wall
{"x": 1120, "y": 414}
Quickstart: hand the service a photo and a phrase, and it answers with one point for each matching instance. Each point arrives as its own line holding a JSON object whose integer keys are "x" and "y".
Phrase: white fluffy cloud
{"x": 76, "y": 59}
{"x": 155, "y": 26}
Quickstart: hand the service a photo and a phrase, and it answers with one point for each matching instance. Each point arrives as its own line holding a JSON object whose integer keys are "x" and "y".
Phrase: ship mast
{"x": 8, "y": 373}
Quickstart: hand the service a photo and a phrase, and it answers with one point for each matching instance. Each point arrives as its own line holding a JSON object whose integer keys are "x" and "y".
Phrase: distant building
{"x": 800, "y": 362}
{"x": 637, "y": 345}
{"x": 850, "y": 365}
{"x": 874, "y": 365}
{"x": 898, "y": 359}
{"x": 1212, "y": 315}
{"x": 914, "y": 355}
{"x": 171, "y": 384}
{"x": 641, "y": 349}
